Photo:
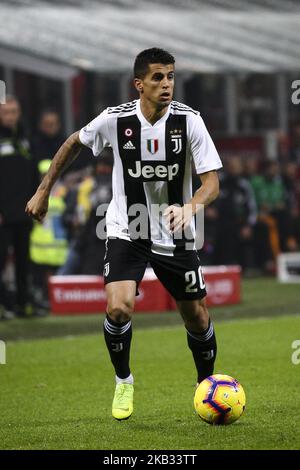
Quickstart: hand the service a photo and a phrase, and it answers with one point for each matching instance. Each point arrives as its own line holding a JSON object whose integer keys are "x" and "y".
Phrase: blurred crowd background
{"x": 247, "y": 107}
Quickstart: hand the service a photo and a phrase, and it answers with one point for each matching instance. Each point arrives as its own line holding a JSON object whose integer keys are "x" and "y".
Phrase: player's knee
{"x": 202, "y": 322}
{"x": 198, "y": 325}
{"x": 120, "y": 313}
{"x": 198, "y": 318}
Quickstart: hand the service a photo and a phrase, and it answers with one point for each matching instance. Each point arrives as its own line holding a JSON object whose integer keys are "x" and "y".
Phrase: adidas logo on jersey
{"x": 129, "y": 146}
{"x": 161, "y": 172}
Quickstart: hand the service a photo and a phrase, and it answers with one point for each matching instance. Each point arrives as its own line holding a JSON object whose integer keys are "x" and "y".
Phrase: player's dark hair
{"x": 151, "y": 56}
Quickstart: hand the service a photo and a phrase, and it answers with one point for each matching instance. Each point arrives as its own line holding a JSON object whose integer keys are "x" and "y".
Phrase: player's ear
{"x": 138, "y": 85}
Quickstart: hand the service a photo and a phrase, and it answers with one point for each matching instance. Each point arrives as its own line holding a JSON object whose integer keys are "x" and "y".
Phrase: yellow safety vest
{"x": 83, "y": 196}
{"x": 48, "y": 242}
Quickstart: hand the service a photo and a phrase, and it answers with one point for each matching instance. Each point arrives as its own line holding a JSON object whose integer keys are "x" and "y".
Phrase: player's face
{"x": 158, "y": 84}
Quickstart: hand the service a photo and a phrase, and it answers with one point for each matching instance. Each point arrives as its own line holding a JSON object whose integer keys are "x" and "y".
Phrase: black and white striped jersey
{"x": 152, "y": 165}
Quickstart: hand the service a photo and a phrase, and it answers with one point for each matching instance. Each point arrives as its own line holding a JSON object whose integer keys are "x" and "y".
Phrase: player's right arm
{"x": 94, "y": 135}
{"x": 37, "y": 207}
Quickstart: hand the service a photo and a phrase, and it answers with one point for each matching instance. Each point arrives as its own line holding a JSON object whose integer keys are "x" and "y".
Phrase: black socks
{"x": 118, "y": 338}
{"x": 204, "y": 349}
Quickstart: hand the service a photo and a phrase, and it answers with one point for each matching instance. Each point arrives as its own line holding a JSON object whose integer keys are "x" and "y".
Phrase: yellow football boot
{"x": 122, "y": 406}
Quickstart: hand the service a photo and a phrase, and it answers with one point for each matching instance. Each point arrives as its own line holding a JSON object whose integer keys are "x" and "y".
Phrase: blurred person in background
{"x": 295, "y": 143}
{"x": 18, "y": 181}
{"x": 283, "y": 147}
{"x": 237, "y": 213}
{"x": 90, "y": 247}
{"x": 207, "y": 252}
{"x": 270, "y": 195}
{"x": 251, "y": 167}
{"x": 263, "y": 256}
{"x": 77, "y": 211}
{"x": 48, "y": 244}
{"x": 86, "y": 253}
{"x": 291, "y": 181}
{"x": 49, "y": 135}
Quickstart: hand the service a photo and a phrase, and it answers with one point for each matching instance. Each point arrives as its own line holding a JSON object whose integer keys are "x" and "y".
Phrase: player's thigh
{"x": 124, "y": 267}
{"x": 123, "y": 261}
{"x": 120, "y": 299}
{"x": 181, "y": 275}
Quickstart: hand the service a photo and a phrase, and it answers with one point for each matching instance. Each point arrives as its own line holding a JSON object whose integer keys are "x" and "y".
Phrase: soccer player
{"x": 154, "y": 140}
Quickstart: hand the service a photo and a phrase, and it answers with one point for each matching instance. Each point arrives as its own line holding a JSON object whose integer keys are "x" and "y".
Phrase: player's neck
{"x": 151, "y": 112}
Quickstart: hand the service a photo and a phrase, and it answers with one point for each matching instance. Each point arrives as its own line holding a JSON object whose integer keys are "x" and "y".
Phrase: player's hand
{"x": 178, "y": 218}
{"x": 37, "y": 207}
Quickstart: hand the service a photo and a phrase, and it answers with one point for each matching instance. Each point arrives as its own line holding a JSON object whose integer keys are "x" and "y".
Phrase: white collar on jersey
{"x": 144, "y": 121}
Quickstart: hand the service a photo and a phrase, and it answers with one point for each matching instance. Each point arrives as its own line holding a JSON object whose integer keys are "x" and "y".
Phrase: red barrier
{"x": 86, "y": 294}
{"x": 223, "y": 284}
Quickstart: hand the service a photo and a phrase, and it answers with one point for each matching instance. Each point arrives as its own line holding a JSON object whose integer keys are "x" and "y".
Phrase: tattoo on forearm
{"x": 66, "y": 154}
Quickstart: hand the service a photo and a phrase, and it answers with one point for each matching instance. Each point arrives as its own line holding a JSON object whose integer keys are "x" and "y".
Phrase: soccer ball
{"x": 219, "y": 399}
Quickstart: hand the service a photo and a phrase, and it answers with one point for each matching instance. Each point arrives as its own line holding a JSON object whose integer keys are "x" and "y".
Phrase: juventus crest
{"x": 176, "y": 139}
{"x": 106, "y": 269}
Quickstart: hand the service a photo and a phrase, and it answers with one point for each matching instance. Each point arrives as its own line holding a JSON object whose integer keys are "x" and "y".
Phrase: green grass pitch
{"x": 56, "y": 393}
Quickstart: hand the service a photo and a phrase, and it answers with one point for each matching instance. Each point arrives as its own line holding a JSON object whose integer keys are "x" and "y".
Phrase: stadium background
{"x": 236, "y": 62}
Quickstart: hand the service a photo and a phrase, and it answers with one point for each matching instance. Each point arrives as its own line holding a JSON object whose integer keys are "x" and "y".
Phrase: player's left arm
{"x": 180, "y": 217}
{"x": 207, "y": 161}
{"x": 207, "y": 193}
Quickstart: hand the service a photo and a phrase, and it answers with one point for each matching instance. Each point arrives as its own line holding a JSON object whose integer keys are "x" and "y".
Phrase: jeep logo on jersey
{"x": 152, "y": 145}
{"x": 155, "y": 173}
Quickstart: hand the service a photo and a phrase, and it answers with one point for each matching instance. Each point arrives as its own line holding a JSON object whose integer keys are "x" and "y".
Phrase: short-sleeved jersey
{"x": 152, "y": 164}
